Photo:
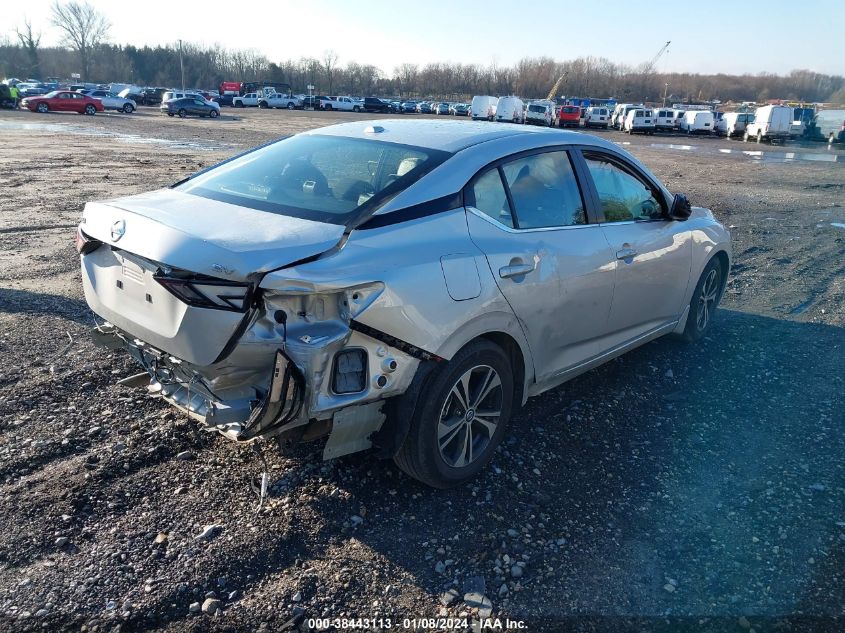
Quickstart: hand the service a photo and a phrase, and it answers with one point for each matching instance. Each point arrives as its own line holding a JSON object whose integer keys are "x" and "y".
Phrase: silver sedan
{"x": 401, "y": 286}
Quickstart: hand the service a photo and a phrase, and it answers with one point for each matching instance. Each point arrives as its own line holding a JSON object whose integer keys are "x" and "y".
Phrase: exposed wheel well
{"x": 512, "y": 349}
{"x": 722, "y": 256}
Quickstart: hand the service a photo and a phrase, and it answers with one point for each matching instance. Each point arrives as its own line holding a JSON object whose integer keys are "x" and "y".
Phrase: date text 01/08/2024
{"x": 418, "y": 624}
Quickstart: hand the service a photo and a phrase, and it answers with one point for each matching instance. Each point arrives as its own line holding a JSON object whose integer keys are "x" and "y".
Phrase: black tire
{"x": 182, "y": 113}
{"x": 128, "y": 109}
{"x": 291, "y": 105}
{"x": 705, "y": 300}
{"x": 239, "y": 104}
{"x": 356, "y": 109}
{"x": 423, "y": 454}
{"x": 169, "y": 114}
{"x": 43, "y": 107}
{"x": 328, "y": 106}
{"x": 213, "y": 114}
{"x": 90, "y": 109}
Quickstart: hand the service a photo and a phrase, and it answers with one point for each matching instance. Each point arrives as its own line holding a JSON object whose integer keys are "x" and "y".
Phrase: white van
{"x": 679, "y": 114}
{"x": 597, "y": 116}
{"x": 483, "y": 107}
{"x": 620, "y": 113}
{"x": 697, "y": 122}
{"x": 664, "y": 119}
{"x": 510, "y": 110}
{"x": 639, "y": 120}
{"x": 733, "y": 123}
{"x": 770, "y": 122}
{"x": 541, "y": 112}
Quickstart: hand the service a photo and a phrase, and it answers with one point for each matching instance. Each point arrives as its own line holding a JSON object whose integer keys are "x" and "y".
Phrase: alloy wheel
{"x": 469, "y": 416}
{"x": 707, "y": 299}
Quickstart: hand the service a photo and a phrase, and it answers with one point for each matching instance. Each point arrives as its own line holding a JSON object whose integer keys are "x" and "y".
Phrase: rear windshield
{"x": 537, "y": 108}
{"x": 570, "y": 109}
{"x": 321, "y": 178}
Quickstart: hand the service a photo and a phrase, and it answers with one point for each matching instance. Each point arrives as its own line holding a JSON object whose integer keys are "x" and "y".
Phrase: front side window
{"x": 322, "y": 178}
{"x": 623, "y": 196}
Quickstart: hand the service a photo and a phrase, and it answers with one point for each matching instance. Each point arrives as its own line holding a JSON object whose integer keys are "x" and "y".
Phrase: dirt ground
{"x": 681, "y": 487}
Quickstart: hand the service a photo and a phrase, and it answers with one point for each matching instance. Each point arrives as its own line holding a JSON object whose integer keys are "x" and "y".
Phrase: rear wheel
{"x": 745, "y": 137}
{"x": 461, "y": 419}
{"x": 290, "y": 105}
{"x": 356, "y": 109}
{"x": 128, "y": 109}
{"x": 43, "y": 108}
{"x": 214, "y": 114}
{"x": 90, "y": 109}
{"x": 705, "y": 300}
{"x": 182, "y": 113}
{"x": 328, "y": 106}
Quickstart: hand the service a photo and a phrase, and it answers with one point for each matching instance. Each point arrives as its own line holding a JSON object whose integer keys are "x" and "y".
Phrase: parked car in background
{"x": 639, "y": 121}
{"x": 597, "y": 116}
{"x": 344, "y": 104}
{"x": 828, "y": 125}
{"x": 332, "y": 307}
{"x": 178, "y": 94}
{"x": 569, "y": 116}
{"x": 461, "y": 109}
{"x": 620, "y": 113}
{"x": 313, "y": 101}
{"x": 771, "y": 123}
{"x": 483, "y": 107}
{"x": 151, "y": 96}
{"x": 664, "y": 120}
{"x": 248, "y": 100}
{"x": 62, "y": 101}
{"x": 190, "y": 106}
{"x": 424, "y": 107}
{"x": 734, "y": 123}
{"x": 442, "y": 108}
{"x": 111, "y": 101}
{"x": 697, "y": 122}
{"x": 541, "y": 112}
{"x": 679, "y": 114}
{"x": 132, "y": 93}
{"x": 279, "y": 100}
{"x": 510, "y": 110}
{"x": 372, "y": 104}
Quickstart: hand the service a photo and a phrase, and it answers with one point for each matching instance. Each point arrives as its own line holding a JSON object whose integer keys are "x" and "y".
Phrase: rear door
{"x": 554, "y": 267}
{"x": 652, "y": 255}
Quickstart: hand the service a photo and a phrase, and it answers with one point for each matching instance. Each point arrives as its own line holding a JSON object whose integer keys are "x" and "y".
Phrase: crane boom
{"x": 650, "y": 65}
{"x": 554, "y": 89}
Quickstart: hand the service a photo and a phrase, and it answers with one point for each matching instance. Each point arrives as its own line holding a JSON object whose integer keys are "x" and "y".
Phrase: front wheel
{"x": 183, "y": 113}
{"x": 461, "y": 417}
{"x": 327, "y": 106}
{"x": 213, "y": 114}
{"x": 705, "y": 300}
{"x": 43, "y": 108}
{"x": 356, "y": 109}
{"x": 291, "y": 106}
{"x": 90, "y": 109}
{"x": 128, "y": 109}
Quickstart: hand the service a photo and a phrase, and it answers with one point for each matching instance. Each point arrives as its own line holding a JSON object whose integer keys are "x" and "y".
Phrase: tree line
{"x": 86, "y": 50}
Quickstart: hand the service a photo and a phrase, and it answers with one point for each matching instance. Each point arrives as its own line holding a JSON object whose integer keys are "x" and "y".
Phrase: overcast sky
{"x": 735, "y": 37}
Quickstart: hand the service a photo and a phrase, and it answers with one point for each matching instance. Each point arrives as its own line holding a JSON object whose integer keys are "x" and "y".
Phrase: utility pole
{"x": 182, "y": 65}
{"x": 665, "y": 90}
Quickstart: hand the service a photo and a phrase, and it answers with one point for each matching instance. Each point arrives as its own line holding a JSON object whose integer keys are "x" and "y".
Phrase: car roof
{"x": 448, "y": 136}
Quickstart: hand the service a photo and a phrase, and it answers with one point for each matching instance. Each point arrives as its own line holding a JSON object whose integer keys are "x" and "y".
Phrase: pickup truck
{"x": 341, "y": 103}
{"x": 279, "y": 100}
{"x": 249, "y": 99}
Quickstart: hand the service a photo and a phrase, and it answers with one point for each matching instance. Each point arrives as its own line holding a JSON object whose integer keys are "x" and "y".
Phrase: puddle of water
{"x": 763, "y": 156}
{"x": 118, "y": 136}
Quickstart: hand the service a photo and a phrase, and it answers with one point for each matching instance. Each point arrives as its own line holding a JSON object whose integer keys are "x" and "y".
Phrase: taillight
{"x": 84, "y": 243}
{"x": 202, "y": 291}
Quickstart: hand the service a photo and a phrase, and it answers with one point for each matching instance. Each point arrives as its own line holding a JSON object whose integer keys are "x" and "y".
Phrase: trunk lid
{"x": 207, "y": 236}
{"x": 194, "y": 234}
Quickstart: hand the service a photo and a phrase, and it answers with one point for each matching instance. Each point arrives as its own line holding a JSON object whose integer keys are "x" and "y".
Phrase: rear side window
{"x": 488, "y": 195}
{"x": 544, "y": 191}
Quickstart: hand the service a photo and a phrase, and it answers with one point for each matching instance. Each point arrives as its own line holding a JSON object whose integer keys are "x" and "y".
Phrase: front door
{"x": 652, "y": 254}
{"x": 554, "y": 268}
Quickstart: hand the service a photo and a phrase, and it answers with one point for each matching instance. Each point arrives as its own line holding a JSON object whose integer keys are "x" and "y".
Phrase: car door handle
{"x": 515, "y": 270}
{"x": 626, "y": 253}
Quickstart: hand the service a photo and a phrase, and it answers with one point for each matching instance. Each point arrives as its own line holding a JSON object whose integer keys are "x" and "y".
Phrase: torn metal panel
{"x": 352, "y": 429}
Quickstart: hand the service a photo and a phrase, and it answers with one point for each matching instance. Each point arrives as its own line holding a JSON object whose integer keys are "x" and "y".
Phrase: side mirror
{"x": 681, "y": 208}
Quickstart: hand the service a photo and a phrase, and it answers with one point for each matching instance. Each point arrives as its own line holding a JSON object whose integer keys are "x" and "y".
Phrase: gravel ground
{"x": 681, "y": 487}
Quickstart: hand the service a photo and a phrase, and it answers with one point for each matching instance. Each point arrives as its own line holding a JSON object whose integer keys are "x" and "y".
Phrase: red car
{"x": 63, "y": 101}
{"x": 569, "y": 115}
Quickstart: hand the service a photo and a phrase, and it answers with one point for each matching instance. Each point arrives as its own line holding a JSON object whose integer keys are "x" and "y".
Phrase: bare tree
{"x": 329, "y": 64}
{"x": 30, "y": 42}
{"x": 83, "y": 27}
